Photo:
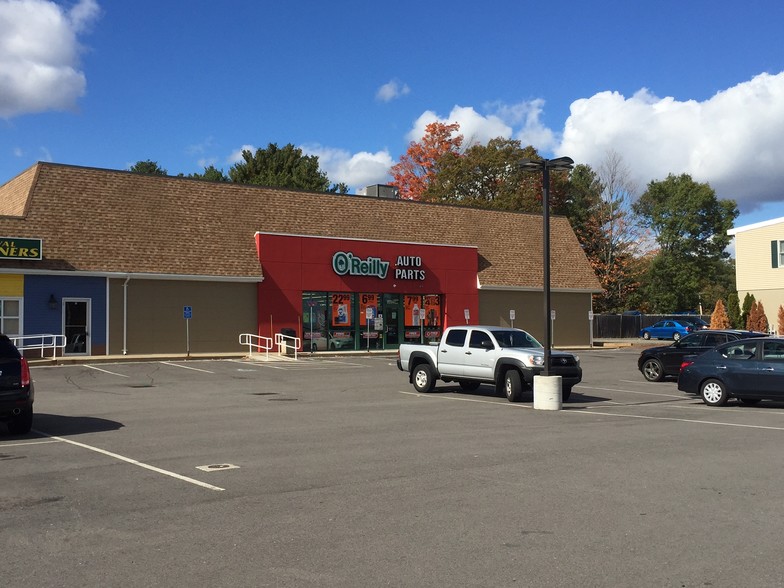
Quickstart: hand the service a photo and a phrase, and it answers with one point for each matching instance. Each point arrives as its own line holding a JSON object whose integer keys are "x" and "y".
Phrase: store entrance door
{"x": 393, "y": 318}
{"x": 76, "y": 326}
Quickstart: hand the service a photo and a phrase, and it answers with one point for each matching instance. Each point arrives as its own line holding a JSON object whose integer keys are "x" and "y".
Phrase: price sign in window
{"x": 414, "y": 310}
{"x": 431, "y": 304}
{"x": 368, "y": 308}
{"x": 341, "y": 310}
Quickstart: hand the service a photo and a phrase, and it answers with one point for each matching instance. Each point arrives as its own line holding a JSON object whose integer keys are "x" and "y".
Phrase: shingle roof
{"x": 105, "y": 221}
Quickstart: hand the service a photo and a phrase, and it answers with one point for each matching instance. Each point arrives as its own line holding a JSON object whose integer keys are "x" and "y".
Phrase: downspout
{"x": 125, "y": 315}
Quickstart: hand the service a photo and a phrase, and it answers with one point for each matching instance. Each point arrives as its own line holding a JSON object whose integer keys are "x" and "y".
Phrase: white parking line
{"x": 186, "y": 367}
{"x": 30, "y": 443}
{"x": 133, "y": 462}
{"x": 92, "y": 367}
{"x": 672, "y": 419}
{"x": 588, "y": 410}
{"x": 431, "y": 396}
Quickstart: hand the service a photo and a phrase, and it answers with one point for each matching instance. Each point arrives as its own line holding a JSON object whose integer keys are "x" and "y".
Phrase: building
{"x": 122, "y": 263}
{"x": 759, "y": 264}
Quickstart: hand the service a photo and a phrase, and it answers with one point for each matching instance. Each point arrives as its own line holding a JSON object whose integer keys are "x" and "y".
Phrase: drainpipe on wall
{"x": 125, "y": 315}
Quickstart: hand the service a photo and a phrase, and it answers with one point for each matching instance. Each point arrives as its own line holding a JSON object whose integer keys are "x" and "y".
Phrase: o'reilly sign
{"x": 348, "y": 264}
{"x": 16, "y": 248}
{"x": 407, "y": 267}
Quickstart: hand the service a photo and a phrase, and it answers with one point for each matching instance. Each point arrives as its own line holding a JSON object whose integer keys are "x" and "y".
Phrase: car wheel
{"x": 749, "y": 401}
{"x": 513, "y": 386}
{"x": 676, "y": 336}
{"x": 646, "y": 335}
{"x": 21, "y": 424}
{"x": 713, "y": 393}
{"x": 652, "y": 370}
{"x": 468, "y": 385}
{"x": 423, "y": 378}
{"x": 566, "y": 392}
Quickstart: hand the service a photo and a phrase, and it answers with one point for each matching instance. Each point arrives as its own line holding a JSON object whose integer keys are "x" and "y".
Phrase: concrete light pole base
{"x": 547, "y": 393}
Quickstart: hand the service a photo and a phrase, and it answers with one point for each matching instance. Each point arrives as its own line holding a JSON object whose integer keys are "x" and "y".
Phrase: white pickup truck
{"x": 472, "y": 355}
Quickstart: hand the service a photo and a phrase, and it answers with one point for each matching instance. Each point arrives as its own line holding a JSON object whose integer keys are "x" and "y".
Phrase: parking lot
{"x": 333, "y": 471}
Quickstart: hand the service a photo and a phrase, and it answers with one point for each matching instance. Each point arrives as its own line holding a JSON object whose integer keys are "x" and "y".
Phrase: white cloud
{"x": 357, "y": 170}
{"x": 236, "y": 156}
{"x": 39, "y": 55}
{"x": 391, "y": 90}
{"x": 474, "y": 127}
{"x": 733, "y": 140}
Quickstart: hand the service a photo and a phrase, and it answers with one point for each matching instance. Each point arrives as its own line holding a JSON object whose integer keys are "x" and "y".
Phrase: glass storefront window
{"x": 10, "y": 316}
{"x": 368, "y": 320}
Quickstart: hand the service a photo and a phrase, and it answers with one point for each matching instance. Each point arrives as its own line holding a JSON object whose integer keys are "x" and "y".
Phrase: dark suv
{"x": 16, "y": 389}
{"x": 657, "y": 362}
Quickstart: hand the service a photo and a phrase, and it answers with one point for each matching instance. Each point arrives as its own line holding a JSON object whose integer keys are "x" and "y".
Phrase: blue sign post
{"x": 187, "y": 314}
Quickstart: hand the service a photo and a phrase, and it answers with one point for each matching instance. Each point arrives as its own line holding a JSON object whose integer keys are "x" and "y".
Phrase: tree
{"x": 285, "y": 167}
{"x": 148, "y": 167}
{"x": 690, "y": 226}
{"x": 486, "y": 176}
{"x": 619, "y": 241}
{"x": 762, "y": 319}
{"x": 417, "y": 166}
{"x": 748, "y": 302}
{"x": 780, "y": 330}
{"x": 719, "y": 318}
{"x": 733, "y": 310}
{"x": 751, "y": 320}
{"x": 211, "y": 174}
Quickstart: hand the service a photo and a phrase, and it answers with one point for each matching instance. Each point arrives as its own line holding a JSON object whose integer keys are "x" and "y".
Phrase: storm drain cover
{"x": 214, "y": 467}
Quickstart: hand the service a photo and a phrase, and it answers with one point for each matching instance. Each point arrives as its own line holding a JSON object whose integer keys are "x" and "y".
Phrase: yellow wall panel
{"x": 11, "y": 285}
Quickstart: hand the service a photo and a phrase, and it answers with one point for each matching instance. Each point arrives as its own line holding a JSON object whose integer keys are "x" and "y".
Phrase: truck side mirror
{"x": 487, "y": 344}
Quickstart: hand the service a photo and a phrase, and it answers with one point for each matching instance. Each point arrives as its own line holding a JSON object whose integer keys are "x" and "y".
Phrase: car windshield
{"x": 515, "y": 338}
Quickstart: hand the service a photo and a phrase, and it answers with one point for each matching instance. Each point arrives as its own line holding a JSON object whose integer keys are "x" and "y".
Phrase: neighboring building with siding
{"x": 759, "y": 264}
{"x": 110, "y": 259}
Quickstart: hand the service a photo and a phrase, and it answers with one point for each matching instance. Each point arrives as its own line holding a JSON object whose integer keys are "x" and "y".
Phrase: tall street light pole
{"x": 545, "y": 165}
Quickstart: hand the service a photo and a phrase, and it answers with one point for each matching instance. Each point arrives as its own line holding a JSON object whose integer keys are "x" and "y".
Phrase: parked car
{"x": 16, "y": 389}
{"x": 667, "y": 329}
{"x": 696, "y": 321}
{"x": 656, "y": 363}
{"x": 748, "y": 369}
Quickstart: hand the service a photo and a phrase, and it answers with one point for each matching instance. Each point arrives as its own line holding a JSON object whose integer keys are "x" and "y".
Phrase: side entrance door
{"x": 76, "y": 326}
{"x": 393, "y": 318}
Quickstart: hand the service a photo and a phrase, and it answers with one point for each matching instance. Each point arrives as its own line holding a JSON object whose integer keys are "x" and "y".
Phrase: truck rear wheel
{"x": 423, "y": 378}
{"x": 513, "y": 386}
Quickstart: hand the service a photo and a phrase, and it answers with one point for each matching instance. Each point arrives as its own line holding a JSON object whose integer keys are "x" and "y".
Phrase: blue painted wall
{"x": 39, "y": 318}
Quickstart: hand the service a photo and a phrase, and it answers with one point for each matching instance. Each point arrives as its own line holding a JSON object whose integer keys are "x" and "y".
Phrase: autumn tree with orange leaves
{"x": 719, "y": 317}
{"x": 419, "y": 164}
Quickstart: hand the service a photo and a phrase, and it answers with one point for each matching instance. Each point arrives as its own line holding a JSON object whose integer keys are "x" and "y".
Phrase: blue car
{"x": 667, "y": 329}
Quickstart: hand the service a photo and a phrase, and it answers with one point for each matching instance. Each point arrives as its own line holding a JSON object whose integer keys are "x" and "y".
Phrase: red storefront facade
{"x": 352, "y": 294}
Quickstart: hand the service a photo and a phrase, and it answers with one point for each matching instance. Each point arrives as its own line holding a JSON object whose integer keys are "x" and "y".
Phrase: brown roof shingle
{"x": 97, "y": 220}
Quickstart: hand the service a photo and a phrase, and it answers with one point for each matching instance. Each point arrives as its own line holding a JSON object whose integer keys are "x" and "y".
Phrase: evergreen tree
{"x": 733, "y": 310}
{"x": 781, "y": 320}
{"x": 748, "y": 300}
{"x": 719, "y": 318}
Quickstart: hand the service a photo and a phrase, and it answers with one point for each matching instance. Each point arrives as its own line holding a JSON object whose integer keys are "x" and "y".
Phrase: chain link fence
{"x": 627, "y": 326}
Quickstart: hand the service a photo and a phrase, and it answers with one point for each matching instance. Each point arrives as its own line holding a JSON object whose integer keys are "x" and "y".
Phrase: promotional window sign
{"x": 432, "y": 306}
{"x": 368, "y": 301}
{"x": 413, "y": 306}
{"x": 341, "y": 310}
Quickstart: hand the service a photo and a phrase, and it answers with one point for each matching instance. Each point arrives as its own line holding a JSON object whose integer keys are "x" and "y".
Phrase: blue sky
{"x": 673, "y": 87}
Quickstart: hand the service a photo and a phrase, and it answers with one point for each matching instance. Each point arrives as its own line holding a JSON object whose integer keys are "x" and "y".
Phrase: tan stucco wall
{"x": 221, "y": 312}
{"x": 571, "y": 327}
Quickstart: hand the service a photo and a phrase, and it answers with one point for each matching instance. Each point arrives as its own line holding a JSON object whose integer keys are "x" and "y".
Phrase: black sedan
{"x": 657, "y": 362}
{"x": 749, "y": 370}
{"x": 16, "y": 389}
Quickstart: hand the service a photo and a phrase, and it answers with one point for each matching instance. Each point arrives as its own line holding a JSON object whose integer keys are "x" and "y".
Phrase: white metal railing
{"x": 284, "y": 342}
{"x": 43, "y": 342}
{"x": 257, "y": 342}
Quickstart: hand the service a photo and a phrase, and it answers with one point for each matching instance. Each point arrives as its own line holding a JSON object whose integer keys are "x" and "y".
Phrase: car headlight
{"x": 537, "y": 360}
